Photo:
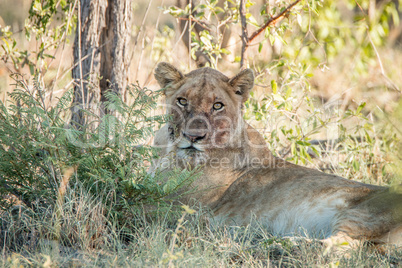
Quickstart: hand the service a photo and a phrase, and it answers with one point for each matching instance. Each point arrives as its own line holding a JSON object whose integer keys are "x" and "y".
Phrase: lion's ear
{"x": 243, "y": 82}
{"x": 166, "y": 74}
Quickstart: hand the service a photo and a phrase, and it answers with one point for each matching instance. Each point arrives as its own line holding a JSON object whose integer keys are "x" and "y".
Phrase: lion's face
{"x": 205, "y": 106}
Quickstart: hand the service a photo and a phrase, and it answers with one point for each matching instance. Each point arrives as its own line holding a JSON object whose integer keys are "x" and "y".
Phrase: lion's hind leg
{"x": 376, "y": 220}
{"x": 393, "y": 237}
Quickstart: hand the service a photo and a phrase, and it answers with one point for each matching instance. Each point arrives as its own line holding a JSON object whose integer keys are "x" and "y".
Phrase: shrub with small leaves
{"x": 37, "y": 145}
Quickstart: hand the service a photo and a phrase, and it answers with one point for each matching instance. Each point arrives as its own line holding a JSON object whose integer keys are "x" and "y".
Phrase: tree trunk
{"x": 101, "y": 58}
{"x": 115, "y": 53}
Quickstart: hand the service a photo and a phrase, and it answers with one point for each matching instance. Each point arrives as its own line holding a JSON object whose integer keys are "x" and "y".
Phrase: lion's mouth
{"x": 192, "y": 148}
{"x": 188, "y": 146}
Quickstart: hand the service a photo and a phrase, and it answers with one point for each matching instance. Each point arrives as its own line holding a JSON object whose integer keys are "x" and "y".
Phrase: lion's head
{"x": 205, "y": 106}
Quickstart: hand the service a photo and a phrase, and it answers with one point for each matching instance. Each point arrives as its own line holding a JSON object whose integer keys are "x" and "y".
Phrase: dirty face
{"x": 205, "y": 106}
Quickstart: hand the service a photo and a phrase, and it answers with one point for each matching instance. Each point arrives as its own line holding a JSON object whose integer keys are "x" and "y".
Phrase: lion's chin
{"x": 192, "y": 153}
{"x": 192, "y": 156}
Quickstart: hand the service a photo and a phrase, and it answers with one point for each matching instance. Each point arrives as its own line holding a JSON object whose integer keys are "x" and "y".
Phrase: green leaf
{"x": 200, "y": 15}
{"x": 274, "y": 86}
{"x": 260, "y": 47}
{"x": 361, "y": 106}
{"x": 293, "y": 148}
{"x": 356, "y": 165}
{"x": 31, "y": 69}
{"x": 225, "y": 51}
{"x": 303, "y": 143}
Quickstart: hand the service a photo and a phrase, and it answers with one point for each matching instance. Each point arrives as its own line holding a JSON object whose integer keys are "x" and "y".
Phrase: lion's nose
{"x": 194, "y": 137}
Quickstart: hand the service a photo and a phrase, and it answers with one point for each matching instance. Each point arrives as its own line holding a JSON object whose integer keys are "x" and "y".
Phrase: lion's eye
{"x": 182, "y": 102}
{"x": 218, "y": 106}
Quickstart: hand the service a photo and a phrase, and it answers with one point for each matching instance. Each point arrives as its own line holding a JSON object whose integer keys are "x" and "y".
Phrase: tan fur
{"x": 241, "y": 178}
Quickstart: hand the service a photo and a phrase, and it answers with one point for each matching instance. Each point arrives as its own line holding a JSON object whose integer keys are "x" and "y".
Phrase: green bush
{"x": 39, "y": 146}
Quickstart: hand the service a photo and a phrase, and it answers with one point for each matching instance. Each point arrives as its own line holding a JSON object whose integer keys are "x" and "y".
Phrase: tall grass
{"x": 89, "y": 238}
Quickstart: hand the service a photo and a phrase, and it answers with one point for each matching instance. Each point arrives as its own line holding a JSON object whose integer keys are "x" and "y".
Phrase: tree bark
{"x": 101, "y": 60}
{"x": 115, "y": 50}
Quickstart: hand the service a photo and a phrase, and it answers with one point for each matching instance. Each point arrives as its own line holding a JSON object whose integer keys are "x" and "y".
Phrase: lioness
{"x": 241, "y": 178}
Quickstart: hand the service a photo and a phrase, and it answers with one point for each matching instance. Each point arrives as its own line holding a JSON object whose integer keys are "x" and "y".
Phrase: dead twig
{"x": 387, "y": 79}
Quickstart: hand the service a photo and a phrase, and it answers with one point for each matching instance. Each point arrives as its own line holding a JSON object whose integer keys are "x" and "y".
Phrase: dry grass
{"x": 88, "y": 239}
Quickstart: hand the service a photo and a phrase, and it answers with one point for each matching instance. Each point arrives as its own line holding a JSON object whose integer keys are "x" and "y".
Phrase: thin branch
{"x": 200, "y": 23}
{"x": 273, "y": 20}
{"x": 142, "y": 23}
{"x": 246, "y": 40}
{"x": 64, "y": 38}
{"x": 80, "y": 54}
{"x": 244, "y": 34}
{"x": 190, "y": 3}
{"x": 143, "y": 39}
{"x": 156, "y": 27}
{"x": 387, "y": 79}
{"x": 226, "y": 21}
